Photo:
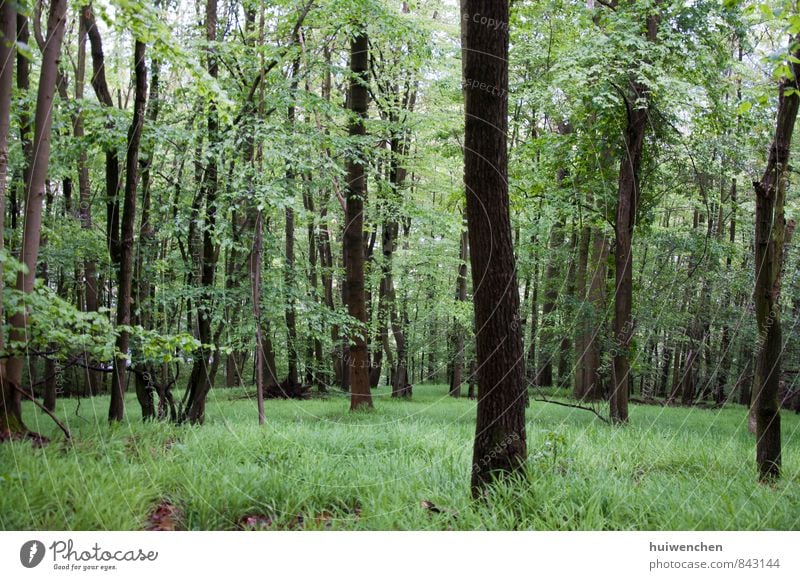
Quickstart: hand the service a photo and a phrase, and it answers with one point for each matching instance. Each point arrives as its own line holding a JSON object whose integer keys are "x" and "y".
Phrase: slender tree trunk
{"x": 8, "y": 33}
{"x": 360, "y": 395}
{"x": 457, "y": 353}
{"x": 25, "y": 119}
{"x": 530, "y": 361}
{"x": 772, "y": 234}
{"x": 90, "y": 285}
{"x": 592, "y": 389}
{"x": 103, "y": 93}
{"x": 206, "y": 362}
{"x": 255, "y": 281}
{"x": 11, "y": 405}
{"x": 583, "y": 320}
{"x": 116, "y": 409}
{"x": 500, "y": 440}
{"x": 551, "y": 286}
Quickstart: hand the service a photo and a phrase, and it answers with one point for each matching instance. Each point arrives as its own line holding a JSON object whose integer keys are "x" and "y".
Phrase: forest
{"x": 384, "y": 264}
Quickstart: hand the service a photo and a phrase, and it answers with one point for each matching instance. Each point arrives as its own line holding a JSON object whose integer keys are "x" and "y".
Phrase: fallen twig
{"x": 570, "y": 405}
{"x": 47, "y": 411}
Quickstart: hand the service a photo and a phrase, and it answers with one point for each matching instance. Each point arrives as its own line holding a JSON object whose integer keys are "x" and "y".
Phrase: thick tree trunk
{"x": 10, "y": 406}
{"x": 116, "y": 409}
{"x": 360, "y": 395}
{"x": 500, "y": 440}
{"x": 772, "y": 232}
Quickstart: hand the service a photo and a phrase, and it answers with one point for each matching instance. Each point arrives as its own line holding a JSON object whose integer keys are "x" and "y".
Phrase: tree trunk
{"x": 583, "y": 321}
{"x": 8, "y": 33}
{"x": 637, "y": 108}
{"x": 457, "y": 353}
{"x": 11, "y": 405}
{"x": 500, "y": 441}
{"x": 91, "y": 300}
{"x": 360, "y": 395}
{"x": 551, "y": 286}
{"x": 206, "y": 361}
{"x": 100, "y": 87}
{"x": 116, "y": 409}
{"x": 772, "y": 234}
{"x": 592, "y": 389}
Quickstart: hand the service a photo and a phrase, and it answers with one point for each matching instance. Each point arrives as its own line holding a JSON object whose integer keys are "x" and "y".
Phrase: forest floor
{"x": 405, "y": 465}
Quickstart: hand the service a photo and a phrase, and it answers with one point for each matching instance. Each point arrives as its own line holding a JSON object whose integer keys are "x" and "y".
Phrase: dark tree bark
{"x": 772, "y": 232}
{"x": 200, "y": 381}
{"x": 637, "y": 103}
{"x": 290, "y": 310}
{"x": 11, "y": 404}
{"x": 103, "y": 93}
{"x": 25, "y": 119}
{"x": 500, "y": 440}
{"x": 8, "y": 33}
{"x": 116, "y": 411}
{"x": 360, "y": 394}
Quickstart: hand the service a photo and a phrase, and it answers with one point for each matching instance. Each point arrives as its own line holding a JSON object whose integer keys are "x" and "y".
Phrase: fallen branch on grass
{"x": 28, "y": 396}
{"x": 572, "y": 406}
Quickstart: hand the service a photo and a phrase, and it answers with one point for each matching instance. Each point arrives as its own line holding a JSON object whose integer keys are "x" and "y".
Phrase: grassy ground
{"x": 315, "y": 465}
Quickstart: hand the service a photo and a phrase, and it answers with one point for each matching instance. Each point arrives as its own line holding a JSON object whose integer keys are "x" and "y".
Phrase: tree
{"x": 360, "y": 394}
{"x": 500, "y": 441}
{"x": 8, "y": 33}
{"x": 204, "y": 369}
{"x": 628, "y": 197}
{"x": 116, "y": 409}
{"x": 773, "y": 233}
{"x": 10, "y": 414}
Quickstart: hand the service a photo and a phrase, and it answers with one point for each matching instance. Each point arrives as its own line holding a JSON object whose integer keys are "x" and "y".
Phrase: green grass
{"x": 671, "y": 468}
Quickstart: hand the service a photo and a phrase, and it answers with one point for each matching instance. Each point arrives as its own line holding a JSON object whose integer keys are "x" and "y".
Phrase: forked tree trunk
{"x": 10, "y": 406}
{"x": 772, "y": 232}
{"x": 500, "y": 441}
{"x": 360, "y": 394}
{"x": 637, "y": 105}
